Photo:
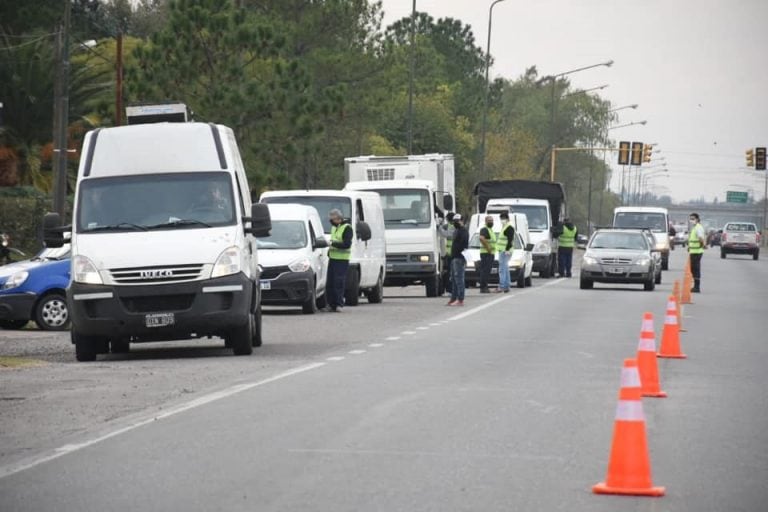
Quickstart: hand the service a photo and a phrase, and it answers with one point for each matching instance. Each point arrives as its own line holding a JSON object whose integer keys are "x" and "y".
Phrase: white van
{"x": 163, "y": 243}
{"x": 651, "y": 217}
{"x": 519, "y": 221}
{"x": 367, "y": 264}
{"x": 294, "y": 258}
{"x": 521, "y": 259}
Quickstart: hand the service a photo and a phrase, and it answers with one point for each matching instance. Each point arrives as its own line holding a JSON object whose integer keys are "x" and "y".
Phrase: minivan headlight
{"x": 542, "y": 246}
{"x": 15, "y": 280}
{"x": 301, "y": 265}
{"x": 84, "y": 271}
{"x": 589, "y": 260}
{"x": 227, "y": 263}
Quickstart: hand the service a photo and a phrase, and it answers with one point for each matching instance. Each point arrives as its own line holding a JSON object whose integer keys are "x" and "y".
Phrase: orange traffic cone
{"x": 670, "y": 336}
{"x": 629, "y": 467}
{"x": 685, "y": 293}
{"x": 646, "y": 359}
{"x": 679, "y": 299}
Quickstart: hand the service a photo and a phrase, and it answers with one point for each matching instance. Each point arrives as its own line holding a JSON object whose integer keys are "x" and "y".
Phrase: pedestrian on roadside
{"x": 566, "y": 241}
{"x": 504, "y": 246}
{"x": 458, "y": 263}
{"x": 446, "y": 231}
{"x": 697, "y": 242}
{"x": 338, "y": 260}
{"x": 487, "y": 253}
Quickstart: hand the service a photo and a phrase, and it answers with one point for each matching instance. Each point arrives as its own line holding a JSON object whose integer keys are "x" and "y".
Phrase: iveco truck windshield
{"x": 407, "y": 208}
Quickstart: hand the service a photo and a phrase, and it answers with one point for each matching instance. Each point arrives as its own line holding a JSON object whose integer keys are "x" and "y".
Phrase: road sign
{"x": 733, "y": 196}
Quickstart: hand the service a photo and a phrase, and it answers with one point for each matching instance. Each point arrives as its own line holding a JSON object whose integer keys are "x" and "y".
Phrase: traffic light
{"x": 750, "y": 157}
{"x": 637, "y": 153}
{"x": 624, "y": 152}
{"x": 647, "y": 150}
{"x": 760, "y": 159}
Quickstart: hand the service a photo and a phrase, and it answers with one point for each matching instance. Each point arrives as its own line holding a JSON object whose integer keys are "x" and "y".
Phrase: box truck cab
{"x": 415, "y": 192}
{"x": 163, "y": 243}
{"x": 367, "y": 262}
{"x": 654, "y": 218}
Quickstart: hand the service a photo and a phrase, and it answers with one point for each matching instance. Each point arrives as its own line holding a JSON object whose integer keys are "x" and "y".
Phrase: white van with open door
{"x": 367, "y": 264}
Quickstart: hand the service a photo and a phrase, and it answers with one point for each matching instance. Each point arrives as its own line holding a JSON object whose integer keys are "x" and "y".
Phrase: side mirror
{"x": 529, "y": 247}
{"x": 320, "y": 243}
{"x": 448, "y": 202}
{"x": 261, "y": 222}
{"x": 363, "y": 231}
{"x": 53, "y": 234}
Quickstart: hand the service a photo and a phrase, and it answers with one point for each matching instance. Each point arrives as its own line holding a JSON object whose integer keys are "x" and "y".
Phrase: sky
{"x": 698, "y": 70}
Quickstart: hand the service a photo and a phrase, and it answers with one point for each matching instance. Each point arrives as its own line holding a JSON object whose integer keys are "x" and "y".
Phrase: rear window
{"x": 741, "y": 227}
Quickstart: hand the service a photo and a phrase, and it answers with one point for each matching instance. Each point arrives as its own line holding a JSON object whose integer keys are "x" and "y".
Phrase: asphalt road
{"x": 506, "y": 404}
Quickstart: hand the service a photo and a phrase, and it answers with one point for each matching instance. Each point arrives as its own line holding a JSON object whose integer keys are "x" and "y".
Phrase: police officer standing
{"x": 487, "y": 253}
{"x": 338, "y": 260}
{"x": 446, "y": 231}
{"x": 697, "y": 242}
{"x": 566, "y": 241}
{"x": 504, "y": 246}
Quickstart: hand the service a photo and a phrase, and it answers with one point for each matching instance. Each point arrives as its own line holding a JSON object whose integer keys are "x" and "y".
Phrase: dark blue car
{"x": 35, "y": 290}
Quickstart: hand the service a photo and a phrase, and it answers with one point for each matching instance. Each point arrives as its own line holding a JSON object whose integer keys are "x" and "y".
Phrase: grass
{"x": 19, "y": 362}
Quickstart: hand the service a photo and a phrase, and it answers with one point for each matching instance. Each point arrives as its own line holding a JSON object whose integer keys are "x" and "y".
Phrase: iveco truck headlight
{"x": 84, "y": 271}
{"x": 15, "y": 280}
{"x": 542, "y": 246}
{"x": 227, "y": 263}
{"x": 301, "y": 265}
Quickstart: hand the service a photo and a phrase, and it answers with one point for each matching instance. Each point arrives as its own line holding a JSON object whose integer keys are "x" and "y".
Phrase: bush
{"x": 21, "y": 217}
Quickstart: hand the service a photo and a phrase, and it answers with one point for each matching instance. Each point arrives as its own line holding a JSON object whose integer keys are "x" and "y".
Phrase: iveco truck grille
{"x": 166, "y": 274}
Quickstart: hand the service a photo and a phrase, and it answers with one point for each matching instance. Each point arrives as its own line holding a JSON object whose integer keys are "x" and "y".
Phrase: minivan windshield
{"x": 155, "y": 202}
{"x": 653, "y": 221}
{"x": 405, "y": 208}
{"x": 474, "y": 242}
{"x": 285, "y": 234}
{"x": 323, "y": 205}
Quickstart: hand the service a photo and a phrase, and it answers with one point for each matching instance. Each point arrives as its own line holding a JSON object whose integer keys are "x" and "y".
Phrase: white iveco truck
{"x": 415, "y": 192}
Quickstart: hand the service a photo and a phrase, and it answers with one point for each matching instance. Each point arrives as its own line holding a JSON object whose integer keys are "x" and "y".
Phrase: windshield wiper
{"x": 180, "y": 222}
{"x": 120, "y": 225}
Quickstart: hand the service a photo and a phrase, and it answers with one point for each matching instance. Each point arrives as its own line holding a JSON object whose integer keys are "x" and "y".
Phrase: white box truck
{"x": 163, "y": 243}
{"x": 415, "y": 192}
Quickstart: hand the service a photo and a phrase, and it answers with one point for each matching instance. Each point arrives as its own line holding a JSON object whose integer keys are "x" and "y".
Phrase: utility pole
{"x": 412, "y": 71}
{"x": 119, "y": 79}
{"x": 61, "y": 115}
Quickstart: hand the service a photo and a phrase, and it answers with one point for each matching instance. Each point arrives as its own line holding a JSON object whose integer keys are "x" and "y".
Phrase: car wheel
{"x": 13, "y": 324}
{"x": 756, "y": 254}
{"x": 322, "y": 301}
{"x": 241, "y": 338}
{"x": 665, "y": 262}
{"x": 51, "y": 312}
{"x": 528, "y": 281}
{"x": 586, "y": 284}
{"x": 432, "y": 286}
{"x": 521, "y": 280}
{"x": 376, "y": 295}
{"x": 256, "y": 340}
{"x": 722, "y": 254}
{"x": 658, "y": 278}
{"x": 86, "y": 347}
{"x": 547, "y": 272}
{"x": 649, "y": 286}
{"x": 309, "y": 307}
{"x": 352, "y": 289}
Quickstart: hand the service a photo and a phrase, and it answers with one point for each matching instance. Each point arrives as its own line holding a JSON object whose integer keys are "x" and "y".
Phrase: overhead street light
{"x": 487, "y": 87}
{"x": 632, "y": 106}
{"x": 643, "y": 123}
{"x": 584, "y": 91}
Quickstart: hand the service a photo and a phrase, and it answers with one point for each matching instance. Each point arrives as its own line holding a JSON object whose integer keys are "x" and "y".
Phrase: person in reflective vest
{"x": 566, "y": 241}
{"x": 446, "y": 231}
{"x": 504, "y": 247}
{"x": 487, "y": 253}
{"x": 338, "y": 260}
{"x": 697, "y": 242}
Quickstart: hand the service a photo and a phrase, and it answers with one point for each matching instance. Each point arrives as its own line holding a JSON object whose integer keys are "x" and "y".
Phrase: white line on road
{"x": 197, "y": 402}
{"x": 335, "y": 358}
{"x": 356, "y": 352}
{"x": 500, "y": 299}
{"x": 422, "y": 328}
{"x": 376, "y": 345}
{"x": 434, "y": 324}
{"x": 408, "y": 333}
{"x": 392, "y": 338}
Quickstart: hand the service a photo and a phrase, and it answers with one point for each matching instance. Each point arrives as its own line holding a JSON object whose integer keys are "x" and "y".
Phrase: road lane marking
{"x": 420, "y": 453}
{"x": 192, "y": 404}
{"x": 376, "y": 345}
{"x": 422, "y": 328}
{"x": 435, "y": 324}
{"x": 392, "y": 338}
{"x": 356, "y": 352}
{"x": 499, "y": 300}
{"x": 335, "y": 358}
{"x": 408, "y": 333}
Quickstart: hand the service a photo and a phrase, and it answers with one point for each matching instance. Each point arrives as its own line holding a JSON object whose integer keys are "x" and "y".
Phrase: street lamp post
{"x": 487, "y": 87}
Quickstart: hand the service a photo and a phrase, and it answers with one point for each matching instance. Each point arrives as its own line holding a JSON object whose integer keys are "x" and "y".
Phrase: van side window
{"x": 240, "y": 196}
{"x": 360, "y": 214}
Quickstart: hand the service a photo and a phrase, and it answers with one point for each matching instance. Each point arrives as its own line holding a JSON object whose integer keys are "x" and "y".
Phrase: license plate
{"x": 265, "y": 285}
{"x": 617, "y": 270}
{"x": 159, "y": 319}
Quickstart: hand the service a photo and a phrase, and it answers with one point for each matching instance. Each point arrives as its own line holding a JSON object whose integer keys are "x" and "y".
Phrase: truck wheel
{"x": 432, "y": 285}
{"x": 722, "y": 254}
{"x": 665, "y": 262}
{"x": 86, "y": 347}
{"x": 528, "y": 281}
{"x": 352, "y": 290}
{"x": 12, "y": 324}
{"x": 322, "y": 301}
{"x": 51, "y": 313}
{"x": 309, "y": 307}
{"x": 256, "y": 340}
{"x": 241, "y": 338}
{"x": 547, "y": 272}
{"x": 756, "y": 254}
{"x": 521, "y": 280}
{"x": 376, "y": 295}
{"x": 119, "y": 346}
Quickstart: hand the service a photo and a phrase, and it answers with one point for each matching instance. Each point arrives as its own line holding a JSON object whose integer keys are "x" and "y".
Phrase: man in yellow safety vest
{"x": 487, "y": 253}
{"x": 338, "y": 260}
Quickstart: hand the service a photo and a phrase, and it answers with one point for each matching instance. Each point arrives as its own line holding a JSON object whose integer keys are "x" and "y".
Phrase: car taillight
{"x": 758, "y": 237}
